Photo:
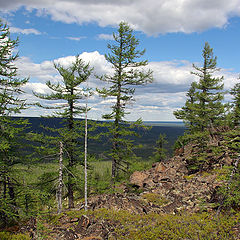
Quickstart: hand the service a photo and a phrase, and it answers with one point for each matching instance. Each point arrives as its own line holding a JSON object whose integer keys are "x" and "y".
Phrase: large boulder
{"x": 137, "y": 178}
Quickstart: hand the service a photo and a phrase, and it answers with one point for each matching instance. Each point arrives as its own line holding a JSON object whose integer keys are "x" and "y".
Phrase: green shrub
{"x": 154, "y": 226}
{"x": 155, "y": 199}
{"x": 9, "y": 236}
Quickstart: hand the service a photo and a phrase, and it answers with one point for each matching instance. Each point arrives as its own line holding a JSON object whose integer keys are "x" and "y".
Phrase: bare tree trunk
{"x": 85, "y": 155}
{"x": 60, "y": 180}
{"x": 71, "y": 157}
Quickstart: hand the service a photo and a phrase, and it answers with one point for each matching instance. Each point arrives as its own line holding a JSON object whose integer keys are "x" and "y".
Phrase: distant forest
{"x": 148, "y": 138}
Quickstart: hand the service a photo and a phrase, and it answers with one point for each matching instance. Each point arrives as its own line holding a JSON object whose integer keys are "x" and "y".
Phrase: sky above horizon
{"x": 173, "y": 32}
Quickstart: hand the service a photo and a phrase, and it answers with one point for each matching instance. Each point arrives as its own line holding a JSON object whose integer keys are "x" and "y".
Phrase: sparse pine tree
{"x": 128, "y": 73}
{"x": 160, "y": 151}
{"x": 210, "y": 109}
{"x": 204, "y": 108}
{"x": 70, "y": 93}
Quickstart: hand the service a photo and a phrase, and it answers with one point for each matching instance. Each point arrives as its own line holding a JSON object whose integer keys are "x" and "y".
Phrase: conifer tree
{"x": 160, "y": 151}
{"x": 204, "y": 108}
{"x": 70, "y": 93}
{"x": 187, "y": 113}
{"x": 11, "y": 130}
{"x": 235, "y": 92}
{"x": 124, "y": 58}
{"x": 210, "y": 109}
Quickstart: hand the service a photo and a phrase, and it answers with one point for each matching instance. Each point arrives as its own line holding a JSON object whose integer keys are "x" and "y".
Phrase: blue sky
{"x": 173, "y": 32}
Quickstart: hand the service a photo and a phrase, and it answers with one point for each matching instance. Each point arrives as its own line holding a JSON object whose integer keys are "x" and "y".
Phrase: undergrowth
{"x": 153, "y": 226}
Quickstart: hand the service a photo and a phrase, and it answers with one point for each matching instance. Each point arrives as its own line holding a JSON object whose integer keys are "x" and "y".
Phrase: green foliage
{"x": 100, "y": 177}
{"x": 10, "y": 236}
{"x": 123, "y": 57}
{"x": 70, "y": 92}
{"x": 170, "y": 227}
{"x": 12, "y": 150}
{"x": 204, "y": 108}
{"x": 230, "y": 192}
{"x": 10, "y": 84}
{"x": 186, "y": 113}
{"x": 140, "y": 165}
{"x": 202, "y": 113}
{"x": 155, "y": 199}
{"x": 160, "y": 151}
{"x": 235, "y": 114}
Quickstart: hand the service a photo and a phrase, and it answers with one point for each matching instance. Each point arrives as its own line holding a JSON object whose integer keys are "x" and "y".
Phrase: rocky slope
{"x": 166, "y": 188}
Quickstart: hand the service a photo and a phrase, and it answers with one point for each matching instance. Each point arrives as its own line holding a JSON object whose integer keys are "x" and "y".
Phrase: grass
{"x": 102, "y": 168}
{"x": 32, "y": 173}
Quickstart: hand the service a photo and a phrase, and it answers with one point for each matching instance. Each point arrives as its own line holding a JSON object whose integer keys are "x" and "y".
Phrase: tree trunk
{"x": 60, "y": 180}
{"x": 71, "y": 160}
{"x": 85, "y": 157}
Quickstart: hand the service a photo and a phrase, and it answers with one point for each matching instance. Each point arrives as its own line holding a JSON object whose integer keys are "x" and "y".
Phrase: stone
{"x": 72, "y": 220}
{"x": 148, "y": 183}
{"x": 160, "y": 168}
{"x": 137, "y": 178}
{"x": 83, "y": 224}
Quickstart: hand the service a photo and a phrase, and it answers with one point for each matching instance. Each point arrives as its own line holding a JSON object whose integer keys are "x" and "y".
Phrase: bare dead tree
{"x": 85, "y": 154}
{"x": 60, "y": 179}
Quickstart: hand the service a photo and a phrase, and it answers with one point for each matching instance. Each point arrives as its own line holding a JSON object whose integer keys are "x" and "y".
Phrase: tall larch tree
{"x": 11, "y": 130}
{"x": 204, "y": 107}
{"x": 124, "y": 58}
{"x": 70, "y": 93}
{"x": 210, "y": 109}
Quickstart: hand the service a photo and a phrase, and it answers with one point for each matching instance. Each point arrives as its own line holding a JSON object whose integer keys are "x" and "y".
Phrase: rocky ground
{"x": 166, "y": 188}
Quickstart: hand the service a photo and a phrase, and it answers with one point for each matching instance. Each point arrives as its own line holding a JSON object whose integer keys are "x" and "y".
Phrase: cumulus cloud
{"x": 150, "y": 16}
{"x": 25, "y": 31}
{"x": 158, "y": 100}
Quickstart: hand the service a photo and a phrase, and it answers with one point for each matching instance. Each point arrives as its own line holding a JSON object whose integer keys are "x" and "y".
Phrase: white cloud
{"x": 150, "y": 16}
{"x": 76, "y": 38}
{"x": 26, "y": 31}
{"x": 155, "y": 101}
{"x": 105, "y": 36}
{"x": 37, "y": 72}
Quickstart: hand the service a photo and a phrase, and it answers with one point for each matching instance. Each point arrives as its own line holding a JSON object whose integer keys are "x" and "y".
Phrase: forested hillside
{"x": 147, "y": 139}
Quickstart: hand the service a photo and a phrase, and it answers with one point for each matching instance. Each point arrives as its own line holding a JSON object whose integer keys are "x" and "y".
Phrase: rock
{"x": 171, "y": 172}
{"x": 72, "y": 220}
{"x": 137, "y": 178}
{"x": 179, "y": 151}
{"x": 70, "y": 235}
{"x": 148, "y": 183}
{"x": 160, "y": 168}
{"x": 83, "y": 224}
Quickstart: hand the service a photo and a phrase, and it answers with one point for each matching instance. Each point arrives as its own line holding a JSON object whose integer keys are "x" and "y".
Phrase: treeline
{"x": 100, "y": 147}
